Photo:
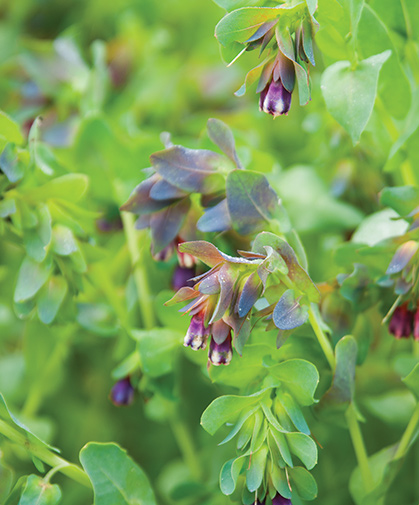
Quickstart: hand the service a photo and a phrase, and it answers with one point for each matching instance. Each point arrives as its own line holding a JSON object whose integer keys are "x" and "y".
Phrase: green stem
{"x": 406, "y": 19}
{"x": 185, "y": 444}
{"x": 139, "y": 270}
{"x": 409, "y": 434}
{"x": 321, "y": 337}
{"x": 44, "y": 454}
{"x": 359, "y": 447}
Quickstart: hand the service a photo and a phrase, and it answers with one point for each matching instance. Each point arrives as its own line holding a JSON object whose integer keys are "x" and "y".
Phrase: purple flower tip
{"x": 401, "y": 324}
{"x": 197, "y": 334}
{"x": 221, "y": 354}
{"x": 122, "y": 393}
{"x": 275, "y": 99}
{"x": 181, "y": 277}
{"x": 278, "y": 499}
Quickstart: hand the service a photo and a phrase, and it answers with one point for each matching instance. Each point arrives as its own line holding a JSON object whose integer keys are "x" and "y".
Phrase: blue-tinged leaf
{"x": 226, "y": 281}
{"x": 255, "y": 473}
{"x": 240, "y": 24}
{"x": 230, "y": 473}
{"x": 251, "y": 77}
{"x": 51, "y": 298}
{"x": 215, "y": 218}
{"x": 202, "y": 250}
{"x": 251, "y": 291}
{"x": 295, "y": 271}
{"x": 32, "y": 276}
{"x": 11, "y": 164}
{"x": 288, "y": 313}
{"x": 303, "y": 447}
{"x": 239, "y": 424}
{"x": 251, "y": 200}
{"x": 282, "y": 444}
{"x": 190, "y": 170}
{"x": 210, "y": 284}
{"x": 222, "y": 136}
{"x": 7, "y": 207}
{"x": 402, "y": 257}
{"x": 166, "y": 224}
{"x": 140, "y": 201}
{"x": 162, "y": 190}
{"x": 303, "y": 483}
{"x": 294, "y": 412}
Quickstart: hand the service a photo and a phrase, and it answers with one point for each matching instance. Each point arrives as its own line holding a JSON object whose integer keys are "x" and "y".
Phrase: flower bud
{"x": 197, "y": 334}
{"x": 280, "y": 500}
{"x": 401, "y": 324}
{"x": 181, "y": 277}
{"x": 221, "y": 354}
{"x": 275, "y": 99}
{"x": 122, "y": 393}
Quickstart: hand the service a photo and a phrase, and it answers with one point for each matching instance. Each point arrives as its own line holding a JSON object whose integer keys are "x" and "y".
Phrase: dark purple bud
{"x": 280, "y": 500}
{"x": 122, "y": 393}
{"x": 220, "y": 354}
{"x": 107, "y": 225}
{"x": 181, "y": 277}
{"x": 401, "y": 324}
{"x": 197, "y": 334}
{"x": 416, "y": 325}
{"x": 275, "y": 99}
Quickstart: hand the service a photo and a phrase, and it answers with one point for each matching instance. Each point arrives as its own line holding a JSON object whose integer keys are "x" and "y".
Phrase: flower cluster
{"x": 286, "y": 41}
{"x": 221, "y": 299}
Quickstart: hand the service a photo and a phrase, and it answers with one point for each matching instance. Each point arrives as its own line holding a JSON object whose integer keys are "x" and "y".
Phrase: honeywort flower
{"x": 275, "y": 99}
{"x": 280, "y": 500}
{"x": 122, "y": 392}
{"x": 288, "y": 48}
{"x": 401, "y": 324}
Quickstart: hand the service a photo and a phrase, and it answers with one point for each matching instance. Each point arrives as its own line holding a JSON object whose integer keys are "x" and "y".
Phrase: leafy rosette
{"x": 271, "y": 435}
{"x": 231, "y": 197}
{"x": 221, "y": 299}
{"x": 283, "y": 36}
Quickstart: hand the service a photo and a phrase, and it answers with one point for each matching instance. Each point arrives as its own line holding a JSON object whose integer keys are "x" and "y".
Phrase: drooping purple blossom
{"x": 221, "y": 354}
{"x": 278, "y": 499}
{"x": 122, "y": 393}
{"x": 401, "y": 324}
{"x": 197, "y": 335}
{"x": 275, "y": 99}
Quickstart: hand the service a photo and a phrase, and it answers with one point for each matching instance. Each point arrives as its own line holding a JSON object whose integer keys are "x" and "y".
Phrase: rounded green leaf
{"x": 350, "y": 92}
{"x": 116, "y": 478}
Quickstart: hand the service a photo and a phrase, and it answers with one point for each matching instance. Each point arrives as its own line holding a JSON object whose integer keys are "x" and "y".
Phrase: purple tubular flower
{"x": 221, "y": 354}
{"x": 122, "y": 393}
{"x": 275, "y": 99}
{"x": 401, "y": 324}
{"x": 280, "y": 500}
{"x": 197, "y": 334}
{"x": 181, "y": 277}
